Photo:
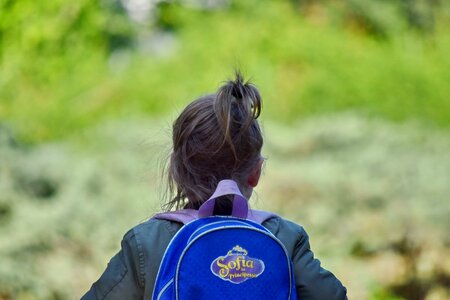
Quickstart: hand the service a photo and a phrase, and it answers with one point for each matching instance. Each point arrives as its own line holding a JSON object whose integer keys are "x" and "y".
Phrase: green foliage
{"x": 51, "y": 52}
{"x": 67, "y": 64}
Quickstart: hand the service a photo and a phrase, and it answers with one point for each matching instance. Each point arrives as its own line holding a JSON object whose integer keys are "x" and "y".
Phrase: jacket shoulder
{"x": 288, "y": 232}
{"x": 153, "y": 227}
{"x": 151, "y": 239}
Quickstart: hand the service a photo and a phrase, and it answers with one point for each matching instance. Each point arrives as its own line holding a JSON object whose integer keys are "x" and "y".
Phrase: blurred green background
{"x": 356, "y": 118}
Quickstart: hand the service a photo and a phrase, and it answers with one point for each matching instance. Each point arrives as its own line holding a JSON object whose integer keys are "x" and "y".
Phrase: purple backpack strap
{"x": 185, "y": 216}
{"x": 259, "y": 216}
{"x": 225, "y": 187}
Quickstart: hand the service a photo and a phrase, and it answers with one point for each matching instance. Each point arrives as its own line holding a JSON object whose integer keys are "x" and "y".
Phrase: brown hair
{"x": 215, "y": 137}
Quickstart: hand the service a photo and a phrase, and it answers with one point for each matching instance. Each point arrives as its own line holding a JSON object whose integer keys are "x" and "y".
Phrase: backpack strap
{"x": 260, "y": 216}
{"x": 224, "y": 187}
{"x": 185, "y": 216}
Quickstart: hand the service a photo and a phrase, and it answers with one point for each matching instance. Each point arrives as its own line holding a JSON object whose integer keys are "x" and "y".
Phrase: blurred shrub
{"x": 372, "y": 195}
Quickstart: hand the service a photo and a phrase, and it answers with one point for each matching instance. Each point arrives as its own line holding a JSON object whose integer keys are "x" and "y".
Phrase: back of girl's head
{"x": 215, "y": 137}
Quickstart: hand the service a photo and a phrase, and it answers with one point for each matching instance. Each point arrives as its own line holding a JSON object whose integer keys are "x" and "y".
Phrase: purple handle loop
{"x": 226, "y": 187}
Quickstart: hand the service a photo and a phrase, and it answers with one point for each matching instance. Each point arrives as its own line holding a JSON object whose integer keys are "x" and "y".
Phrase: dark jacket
{"x": 131, "y": 273}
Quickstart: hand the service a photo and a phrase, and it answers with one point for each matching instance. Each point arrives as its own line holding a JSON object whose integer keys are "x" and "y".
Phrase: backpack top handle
{"x": 226, "y": 187}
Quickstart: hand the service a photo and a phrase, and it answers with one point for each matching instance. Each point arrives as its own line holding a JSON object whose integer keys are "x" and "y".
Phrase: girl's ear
{"x": 255, "y": 174}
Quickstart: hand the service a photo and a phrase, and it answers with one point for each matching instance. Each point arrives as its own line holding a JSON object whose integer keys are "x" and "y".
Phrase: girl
{"x": 215, "y": 137}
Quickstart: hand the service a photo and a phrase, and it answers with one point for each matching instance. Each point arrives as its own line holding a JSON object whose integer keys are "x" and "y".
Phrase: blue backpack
{"x": 224, "y": 257}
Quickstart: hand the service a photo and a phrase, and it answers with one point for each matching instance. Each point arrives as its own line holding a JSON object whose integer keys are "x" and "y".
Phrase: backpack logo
{"x": 237, "y": 266}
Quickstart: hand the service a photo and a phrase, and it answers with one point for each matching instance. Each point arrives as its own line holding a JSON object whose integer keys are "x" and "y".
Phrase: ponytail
{"x": 237, "y": 105}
